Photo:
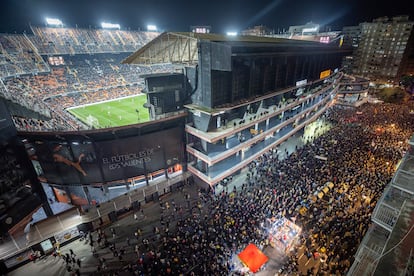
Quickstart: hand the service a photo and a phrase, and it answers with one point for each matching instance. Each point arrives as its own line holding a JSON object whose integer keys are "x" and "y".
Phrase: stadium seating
{"x": 88, "y": 70}
{"x": 19, "y": 57}
{"x": 81, "y": 41}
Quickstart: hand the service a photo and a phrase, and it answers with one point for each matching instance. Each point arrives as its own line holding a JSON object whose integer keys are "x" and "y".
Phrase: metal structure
{"x": 167, "y": 48}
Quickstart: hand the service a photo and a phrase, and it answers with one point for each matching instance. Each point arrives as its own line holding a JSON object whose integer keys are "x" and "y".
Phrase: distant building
{"x": 309, "y": 32}
{"x": 257, "y": 31}
{"x": 382, "y": 46}
{"x": 407, "y": 63}
{"x": 309, "y": 28}
{"x": 351, "y": 38}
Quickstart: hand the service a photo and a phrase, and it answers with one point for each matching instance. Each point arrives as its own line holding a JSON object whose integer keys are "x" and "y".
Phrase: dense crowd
{"x": 78, "y": 41}
{"x": 17, "y": 56}
{"x": 21, "y": 53}
{"x": 89, "y": 61}
{"x": 200, "y": 237}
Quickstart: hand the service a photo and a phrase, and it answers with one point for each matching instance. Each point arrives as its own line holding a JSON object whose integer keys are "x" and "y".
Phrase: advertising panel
{"x": 87, "y": 161}
{"x": 325, "y": 74}
{"x": 67, "y": 235}
{"x": 121, "y": 158}
{"x": 301, "y": 82}
{"x": 42, "y": 155}
{"x": 68, "y": 166}
{"x": 20, "y": 258}
{"x": 174, "y": 147}
{"x": 129, "y": 157}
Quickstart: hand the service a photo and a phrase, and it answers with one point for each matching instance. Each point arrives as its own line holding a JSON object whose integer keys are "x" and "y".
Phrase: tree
{"x": 408, "y": 82}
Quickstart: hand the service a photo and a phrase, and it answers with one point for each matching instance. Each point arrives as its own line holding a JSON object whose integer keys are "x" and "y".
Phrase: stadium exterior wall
{"x": 74, "y": 161}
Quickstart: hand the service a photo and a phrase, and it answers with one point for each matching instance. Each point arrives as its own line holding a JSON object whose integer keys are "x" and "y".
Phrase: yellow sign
{"x": 325, "y": 74}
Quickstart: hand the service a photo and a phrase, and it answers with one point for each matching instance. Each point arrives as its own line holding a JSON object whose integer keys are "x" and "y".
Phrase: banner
{"x": 84, "y": 161}
{"x": 325, "y": 74}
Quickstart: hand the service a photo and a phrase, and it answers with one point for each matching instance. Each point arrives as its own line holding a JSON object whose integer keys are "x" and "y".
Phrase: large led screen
{"x": 86, "y": 161}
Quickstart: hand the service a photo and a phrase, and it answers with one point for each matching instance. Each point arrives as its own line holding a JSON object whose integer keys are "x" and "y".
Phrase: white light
{"x": 53, "y": 21}
{"x": 309, "y": 30}
{"x": 151, "y": 28}
{"x": 106, "y": 25}
{"x": 231, "y": 33}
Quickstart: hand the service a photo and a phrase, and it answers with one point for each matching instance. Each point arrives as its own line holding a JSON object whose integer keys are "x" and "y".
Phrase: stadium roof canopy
{"x": 182, "y": 48}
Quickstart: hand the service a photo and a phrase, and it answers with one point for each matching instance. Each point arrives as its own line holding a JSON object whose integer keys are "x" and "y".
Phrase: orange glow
{"x": 253, "y": 258}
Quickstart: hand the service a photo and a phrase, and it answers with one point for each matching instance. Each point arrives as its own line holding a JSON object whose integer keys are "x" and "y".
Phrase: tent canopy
{"x": 253, "y": 258}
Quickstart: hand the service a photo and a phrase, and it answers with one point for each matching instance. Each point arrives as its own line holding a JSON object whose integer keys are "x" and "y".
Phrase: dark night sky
{"x": 179, "y": 15}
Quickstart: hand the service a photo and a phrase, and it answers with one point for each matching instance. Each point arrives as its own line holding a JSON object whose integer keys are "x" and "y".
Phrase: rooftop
{"x": 182, "y": 47}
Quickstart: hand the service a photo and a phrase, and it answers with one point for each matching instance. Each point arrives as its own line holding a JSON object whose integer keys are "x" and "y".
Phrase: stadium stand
{"x": 58, "y": 68}
{"x": 81, "y": 41}
{"x": 18, "y": 56}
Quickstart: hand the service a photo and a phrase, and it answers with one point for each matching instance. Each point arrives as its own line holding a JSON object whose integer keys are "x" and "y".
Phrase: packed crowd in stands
{"x": 18, "y": 57}
{"x": 91, "y": 97}
{"x": 81, "y": 41}
{"x": 80, "y": 80}
{"x": 200, "y": 237}
{"x": 74, "y": 63}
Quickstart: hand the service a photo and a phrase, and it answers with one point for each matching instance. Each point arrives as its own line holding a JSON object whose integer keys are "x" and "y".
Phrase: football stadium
{"x": 185, "y": 153}
{"x": 111, "y": 113}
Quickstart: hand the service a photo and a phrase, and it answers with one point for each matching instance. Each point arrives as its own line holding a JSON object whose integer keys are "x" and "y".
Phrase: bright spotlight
{"x": 54, "y": 21}
{"x": 152, "y": 28}
{"x": 106, "y": 25}
{"x": 231, "y": 33}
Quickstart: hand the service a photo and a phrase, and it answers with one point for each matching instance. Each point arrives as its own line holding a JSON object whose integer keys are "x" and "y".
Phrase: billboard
{"x": 324, "y": 39}
{"x": 302, "y": 82}
{"x": 87, "y": 161}
{"x": 325, "y": 74}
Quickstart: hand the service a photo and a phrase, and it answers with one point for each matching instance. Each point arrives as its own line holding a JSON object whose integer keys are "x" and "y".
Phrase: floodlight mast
{"x": 106, "y": 25}
{"x": 232, "y": 33}
{"x": 152, "y": 28}
{"x": 53, "y": 21}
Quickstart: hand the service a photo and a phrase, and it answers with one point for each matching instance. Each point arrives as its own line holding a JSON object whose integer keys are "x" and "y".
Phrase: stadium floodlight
{"x": 152, "y": 28}
{"x": 54, "y": 21}
{"x": 106, "y": 25}
{"x": 310, "y": 30}
{"x": 231, "y": 33}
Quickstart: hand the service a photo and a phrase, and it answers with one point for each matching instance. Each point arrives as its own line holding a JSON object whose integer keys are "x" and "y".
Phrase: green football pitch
{"x": 118, "y": 112}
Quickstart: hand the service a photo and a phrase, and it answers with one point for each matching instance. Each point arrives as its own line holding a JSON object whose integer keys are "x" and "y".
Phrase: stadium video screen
{"x": 85, "y": 162}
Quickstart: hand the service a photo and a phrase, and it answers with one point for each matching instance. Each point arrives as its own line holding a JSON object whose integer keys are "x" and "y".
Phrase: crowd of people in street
{"x": 201, "y": 235}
